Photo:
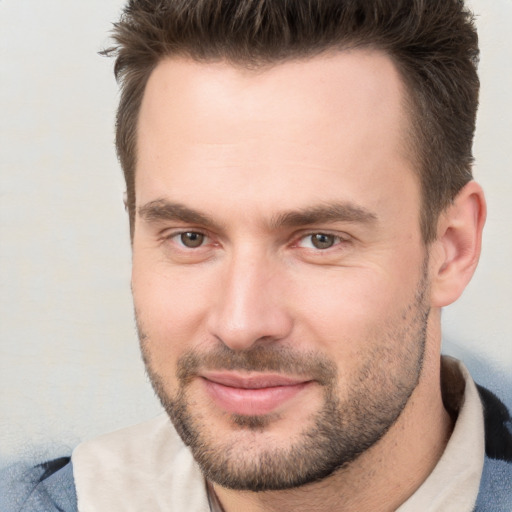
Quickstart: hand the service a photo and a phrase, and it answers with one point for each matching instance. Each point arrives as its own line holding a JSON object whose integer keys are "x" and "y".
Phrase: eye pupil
{"x": 192, "y": 239}
{"x": 322, "y": 240}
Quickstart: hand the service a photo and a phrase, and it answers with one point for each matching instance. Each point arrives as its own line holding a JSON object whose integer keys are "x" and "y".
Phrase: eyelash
{"x": 336, "y": 240}
{"x": 175, "y": 236}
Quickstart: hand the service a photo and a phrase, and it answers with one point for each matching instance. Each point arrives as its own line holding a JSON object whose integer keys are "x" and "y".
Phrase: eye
{"x": 319, "y": 241}
{"x": 191, "y": 239}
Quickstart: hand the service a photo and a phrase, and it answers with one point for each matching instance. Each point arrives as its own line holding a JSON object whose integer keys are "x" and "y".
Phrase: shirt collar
{"x": 454, "y": 482}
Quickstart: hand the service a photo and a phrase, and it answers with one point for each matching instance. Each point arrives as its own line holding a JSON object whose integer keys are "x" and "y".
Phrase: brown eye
{"x": 192, "y": 239}
{"x": 322, "y": 240}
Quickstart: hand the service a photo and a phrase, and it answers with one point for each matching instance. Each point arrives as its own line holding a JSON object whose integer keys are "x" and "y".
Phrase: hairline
{"x": 410, "y": 144}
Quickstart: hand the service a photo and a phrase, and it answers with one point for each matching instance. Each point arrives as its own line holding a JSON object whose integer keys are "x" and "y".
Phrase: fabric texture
{"x": 496, "y": 484}
{"x": 47, "y": 487}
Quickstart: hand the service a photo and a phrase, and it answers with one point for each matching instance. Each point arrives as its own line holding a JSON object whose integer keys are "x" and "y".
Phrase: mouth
{"x": 252, "y": 395}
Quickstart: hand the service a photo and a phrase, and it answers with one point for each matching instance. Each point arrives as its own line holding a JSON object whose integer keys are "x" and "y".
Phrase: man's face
{"x": 279, "y": 274}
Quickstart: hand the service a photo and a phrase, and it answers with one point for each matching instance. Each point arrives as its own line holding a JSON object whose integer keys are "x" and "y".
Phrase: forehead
{"x": 299, "y": 126}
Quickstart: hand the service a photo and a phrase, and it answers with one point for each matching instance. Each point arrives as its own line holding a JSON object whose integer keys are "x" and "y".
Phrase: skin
{"x": 246, "y": 151}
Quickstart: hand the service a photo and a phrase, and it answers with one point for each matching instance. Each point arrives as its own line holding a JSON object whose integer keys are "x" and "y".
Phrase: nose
{"x": 251, "y": 308}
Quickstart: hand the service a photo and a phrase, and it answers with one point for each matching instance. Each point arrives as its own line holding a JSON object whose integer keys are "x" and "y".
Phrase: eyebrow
{"x": 328, "y": 213}
{"x": 162, "y": 210}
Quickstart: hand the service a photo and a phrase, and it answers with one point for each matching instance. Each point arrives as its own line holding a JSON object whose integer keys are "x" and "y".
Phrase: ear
{"x": 455, "y": 253}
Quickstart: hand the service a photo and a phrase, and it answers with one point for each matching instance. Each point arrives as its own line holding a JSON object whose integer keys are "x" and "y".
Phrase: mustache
{"x": 260, "y": 359}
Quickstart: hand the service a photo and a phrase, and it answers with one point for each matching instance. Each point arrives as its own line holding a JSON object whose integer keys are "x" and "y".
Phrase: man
{"x": 301, "y": 208}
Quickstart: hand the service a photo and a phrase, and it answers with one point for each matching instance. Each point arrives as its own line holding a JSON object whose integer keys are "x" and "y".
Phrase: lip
{"x": 251, "y": 395}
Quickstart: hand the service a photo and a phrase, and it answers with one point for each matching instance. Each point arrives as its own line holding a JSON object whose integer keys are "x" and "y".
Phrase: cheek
{"x": 170, "y": 309}
{"x": 350, "y": 310}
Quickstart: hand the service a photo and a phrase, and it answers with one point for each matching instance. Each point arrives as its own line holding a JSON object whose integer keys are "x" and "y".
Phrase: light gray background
{"x": 69, "y": 362}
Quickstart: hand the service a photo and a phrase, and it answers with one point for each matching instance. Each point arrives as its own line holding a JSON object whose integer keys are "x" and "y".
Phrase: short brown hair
{"x": 433, "y": 43}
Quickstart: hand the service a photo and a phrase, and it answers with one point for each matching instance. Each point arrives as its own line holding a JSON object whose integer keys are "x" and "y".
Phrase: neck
{"x": 383, "y": 477}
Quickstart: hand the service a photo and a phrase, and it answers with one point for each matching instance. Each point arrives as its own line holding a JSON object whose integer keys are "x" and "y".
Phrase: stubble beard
{"x": 334, "y": 437}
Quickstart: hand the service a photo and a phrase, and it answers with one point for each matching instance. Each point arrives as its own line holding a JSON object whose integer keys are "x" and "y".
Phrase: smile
{"x": 251, "y": 395}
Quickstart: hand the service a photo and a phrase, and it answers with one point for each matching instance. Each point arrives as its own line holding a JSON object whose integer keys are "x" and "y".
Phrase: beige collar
{"x": 453, "y": 484}
{"x": 138, "y": 469}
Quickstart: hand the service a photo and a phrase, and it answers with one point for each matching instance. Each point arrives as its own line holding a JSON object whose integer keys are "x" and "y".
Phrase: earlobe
{"x": 455, "y": 253}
